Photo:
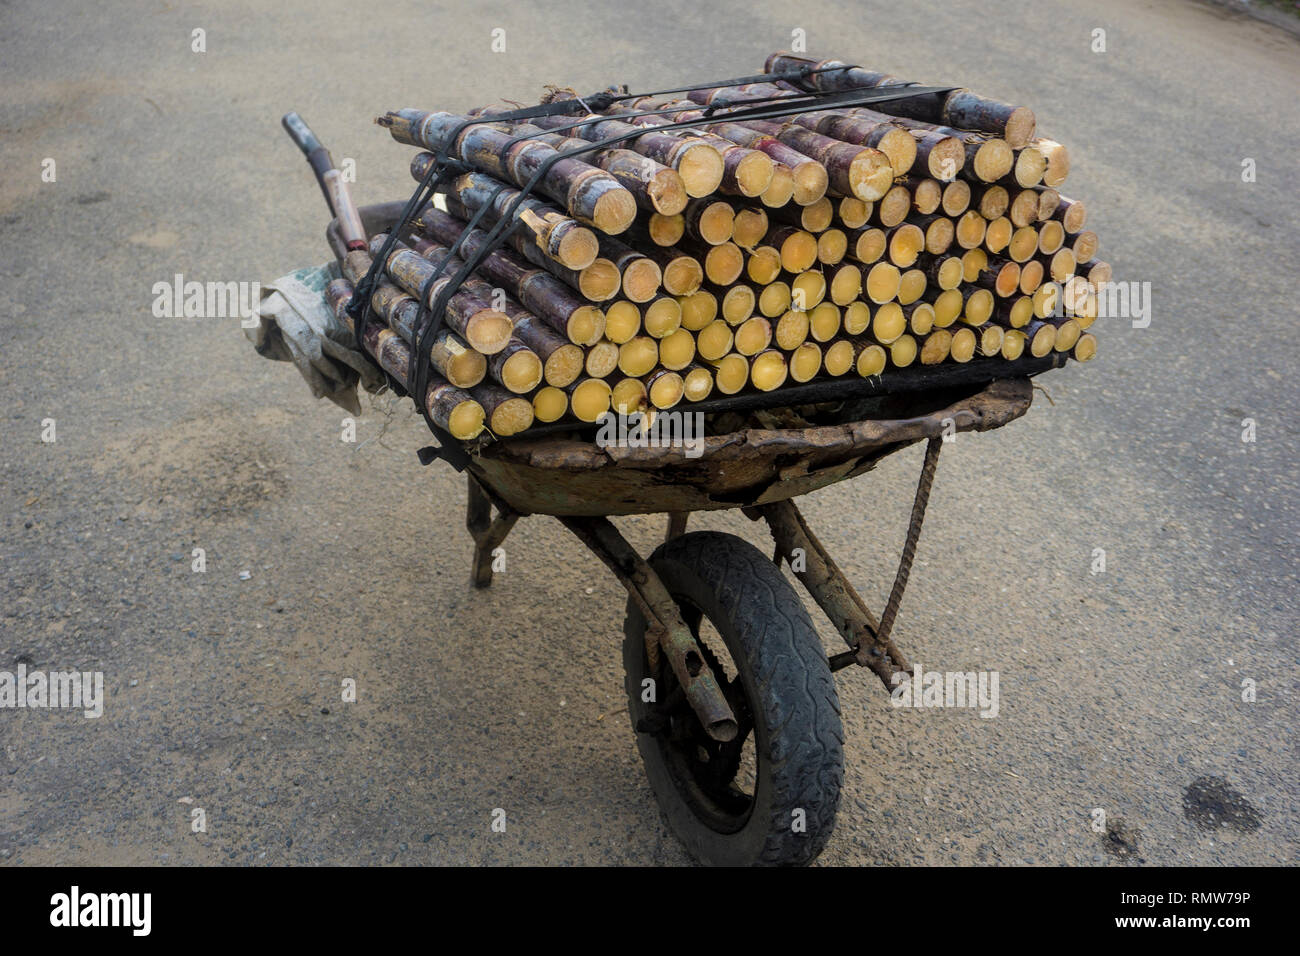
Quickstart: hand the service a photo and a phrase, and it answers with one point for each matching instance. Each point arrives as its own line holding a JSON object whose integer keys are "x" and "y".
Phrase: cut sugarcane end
{"x": 763, "y": 265}
{"x": 781, "y": 189}
{"x": 622, "y": 322}
{"x": 662, "y": 317}
{"x": 614, "y": 212}
{"x": 628, "y": 396}
{"x": 522, "y": 372}
{"x": 586, "y": 325}
{"x": 846, "y": 284}
{"x": 602, "y": 359}
{"x": 599, "y": 281}
{"x": 488, "y": 331}
{"x": 911, "y": 286}
{"x": 590, "y": 399}
{"x": 550, "y": 404}
{"x": 641, "y": 280}
{"x": 754, "y": 174}
{"x": 738, "y": 304}
{"x": 511, "y": 417}
{"x": 731, "y": 373}
{"x": 839, "y": 358}
{"x": 666, "y": 230}
{"x": 698, "y": 309}
{"x": 832, "y": 246}
{"x": 963, "y": 344}
{"x": 824, "y": 322}
{"x": 905, "y": 245}
{"x": 806, "y": 362}
{"x": 903, "y": 351}
{"x": 700, "y": 167}
{"x": 677, "y": 350}
{"x": 697, "y": 384}
{"x": 871, "y": 175}
{"x": 791, "y": 330}
{"x": 889, "y": 323}
{"x": 936, "y": 346}
{"x": 665, "y": 389}
{"x": 857, "y": 318}
{"x": 714, "y": 340}
{"x": 466, "y": 420}
{"x": 807, "y": 289}
{"x": 1086, "y": 348}
{"x": 638, "y": 356}
{"x": 768, "y": 370}
{"x": 578, "y": 248}
{"x": 716, "y": 223}
{"x": 1013, "y": 344}
{"x": 774, "y": 299}
{"x": 683, "y": 276}
{"x": 882, "y": 282}
{"x": 872, "y": 359}
{"x": 667, "y": 192}
{"x": 809, "y": 183}
{"x": 947, "y": 306}
{"x": 753, "y": 336}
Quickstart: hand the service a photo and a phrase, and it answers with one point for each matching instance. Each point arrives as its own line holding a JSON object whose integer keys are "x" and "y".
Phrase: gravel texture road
{"x": 1120, "y": 691}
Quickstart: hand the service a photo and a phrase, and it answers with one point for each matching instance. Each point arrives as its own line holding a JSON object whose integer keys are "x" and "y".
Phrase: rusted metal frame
{"x": 665, "y": 627}
{"x": 833, "y": 593}
{"x": 487, "y": 532}
{"x": 868, "y": 639}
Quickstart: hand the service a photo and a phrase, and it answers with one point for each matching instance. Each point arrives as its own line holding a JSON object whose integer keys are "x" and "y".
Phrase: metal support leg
{"x": 665, "y": 625}
{"x": 868, "y": 639}
{"x": 487, "y": 532}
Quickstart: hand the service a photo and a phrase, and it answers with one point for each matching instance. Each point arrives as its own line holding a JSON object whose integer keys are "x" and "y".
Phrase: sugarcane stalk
{"x": 598, "y": 282}
{"x": 557, "y": 235}
{"x": 944, "y": 272}
{"x": 454, "y": 360}
{"x": 858, "y": 171}
{"x": 562, "y": 361}
{"x": 661, "y": 317}
{"x": 469, "y": 311}
{"x": 698, "y": 309}
{"x": 639, "y": 276}
{"x": 450, "y": 407}
{"x": 838, "y": 358}
{"x": 550, "y": 403}
{"x": 590, "y": 195}
{"x": 960, "y": 108}
{"x": 768, "y": 370}
{"x": 622, "y": 321}
{"x": 997, "y": 234}
{"x": 537, "y": 290}
{"x": 846, "y": 284}
{"x": 698, "y": 164}
{"x": 832, "y": 246}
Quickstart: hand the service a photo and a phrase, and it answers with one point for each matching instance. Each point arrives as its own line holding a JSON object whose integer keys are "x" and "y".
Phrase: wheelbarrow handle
{"x": 330, "y": 180}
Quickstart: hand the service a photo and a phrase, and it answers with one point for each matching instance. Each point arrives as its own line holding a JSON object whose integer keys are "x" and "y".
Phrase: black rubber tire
{"x": 788, "y": 689}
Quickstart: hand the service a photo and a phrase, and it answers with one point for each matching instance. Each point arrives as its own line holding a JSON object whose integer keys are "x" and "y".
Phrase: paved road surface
{"x": 1119, "y": 690}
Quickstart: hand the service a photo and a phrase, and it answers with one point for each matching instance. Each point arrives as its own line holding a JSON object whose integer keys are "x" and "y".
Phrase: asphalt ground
{"x": 1121, "y": 691}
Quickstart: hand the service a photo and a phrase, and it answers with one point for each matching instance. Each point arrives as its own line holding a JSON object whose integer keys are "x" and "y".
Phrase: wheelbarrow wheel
{"x": 768, "y": 797}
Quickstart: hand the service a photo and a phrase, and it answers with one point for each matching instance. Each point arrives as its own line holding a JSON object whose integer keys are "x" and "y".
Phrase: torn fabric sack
{"x": 295, "y": 325}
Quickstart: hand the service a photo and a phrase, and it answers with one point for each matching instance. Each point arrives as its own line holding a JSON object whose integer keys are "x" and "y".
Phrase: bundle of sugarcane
{"x": 683, "y": 261}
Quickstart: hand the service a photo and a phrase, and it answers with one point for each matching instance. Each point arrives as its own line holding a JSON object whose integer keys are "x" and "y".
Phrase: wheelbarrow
{"x": 730, "y": 692}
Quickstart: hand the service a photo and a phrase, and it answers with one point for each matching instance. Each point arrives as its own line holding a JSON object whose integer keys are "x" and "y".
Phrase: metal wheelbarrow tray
{"x": 730, "y": 693}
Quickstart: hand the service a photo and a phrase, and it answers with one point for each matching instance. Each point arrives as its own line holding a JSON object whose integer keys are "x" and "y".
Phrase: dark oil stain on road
{"x": 1121, "y": 842}
{"x": 1211, "y": 802}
